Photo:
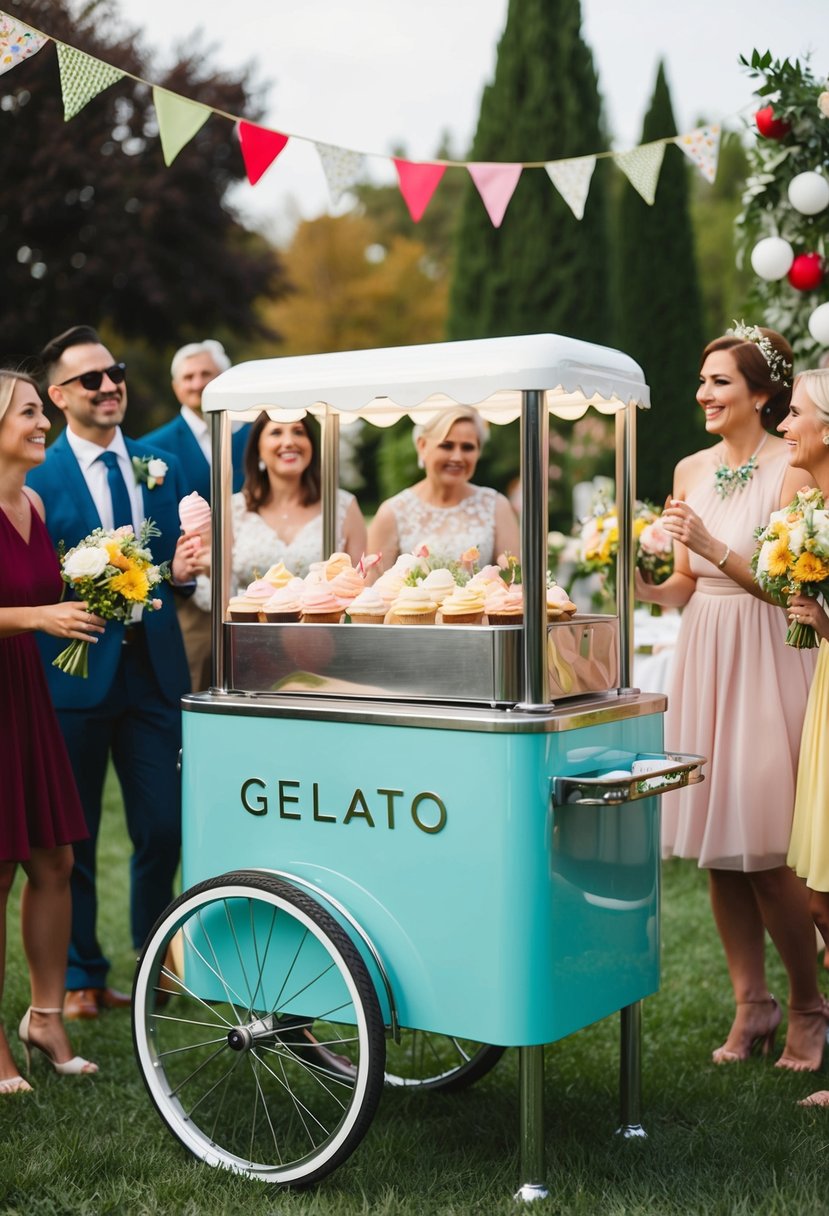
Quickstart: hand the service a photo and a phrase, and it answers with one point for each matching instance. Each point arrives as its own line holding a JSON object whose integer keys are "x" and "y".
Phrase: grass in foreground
{"x": 725, "y": 1140}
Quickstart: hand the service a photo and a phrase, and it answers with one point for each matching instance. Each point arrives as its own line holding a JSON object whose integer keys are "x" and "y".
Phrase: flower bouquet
{"x": 598, "y": 546}
{"x": 654, "y": 545}
{"x": 792, "y": 557}
{"x": 113, "y": 571}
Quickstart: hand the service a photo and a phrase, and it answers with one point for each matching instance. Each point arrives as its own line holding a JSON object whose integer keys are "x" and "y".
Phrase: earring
{"x": 420, "y": 463}
{"x": 826, "y": 439}
{"x": 757, "y": 406}
{"x": 261, "y": 466}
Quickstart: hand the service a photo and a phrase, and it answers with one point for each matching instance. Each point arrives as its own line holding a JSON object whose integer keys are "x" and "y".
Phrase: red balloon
{"x": 768, "y": 125}
{"x": 807, "y": 272}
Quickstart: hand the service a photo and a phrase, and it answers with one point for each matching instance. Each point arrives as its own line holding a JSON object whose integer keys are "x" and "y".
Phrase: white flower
{"x": 823, "y": 104}
{"x": 797, "y": 535}
{"x": 763, "y": 558}
{"x": 88, "y": 561}
{"x": 156, "y": 469}
{"x": 153, "y": 575}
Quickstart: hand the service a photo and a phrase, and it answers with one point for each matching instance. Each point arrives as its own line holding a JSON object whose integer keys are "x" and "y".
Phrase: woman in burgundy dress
{"x": 40, "y": 812}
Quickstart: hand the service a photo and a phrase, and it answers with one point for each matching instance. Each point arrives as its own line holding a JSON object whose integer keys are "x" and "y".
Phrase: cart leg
{"x": 630, "y": 1074}
{"x": 531, "y": 1097}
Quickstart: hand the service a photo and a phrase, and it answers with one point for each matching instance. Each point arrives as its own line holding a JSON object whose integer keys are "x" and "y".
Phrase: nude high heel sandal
{"x": 15, "y": 1085}
{"x": 762, "y": 1040}
{"x": 75, "y": 1067}
{"x": 812, "y": 1026}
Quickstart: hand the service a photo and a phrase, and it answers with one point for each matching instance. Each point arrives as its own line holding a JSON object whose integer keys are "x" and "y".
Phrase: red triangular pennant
{"x": 260, "y": 148}
{"x": 418, "y": 183}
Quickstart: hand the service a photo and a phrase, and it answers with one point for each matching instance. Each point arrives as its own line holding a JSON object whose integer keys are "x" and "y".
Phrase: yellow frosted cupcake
{"x": 414, "y": 606}
{"x": 278, "y": 575}
{"x": 244, "y": 610}
{"x": 465, "y": 606}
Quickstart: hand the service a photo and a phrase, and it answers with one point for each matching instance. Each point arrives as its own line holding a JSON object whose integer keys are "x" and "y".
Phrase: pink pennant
{"x": 260, "y": 148}
{"x": 418, "y": 182}
{"x": 496, "y": 185}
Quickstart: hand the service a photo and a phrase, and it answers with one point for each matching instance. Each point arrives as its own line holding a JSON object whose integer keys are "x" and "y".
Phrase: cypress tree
{"x": 659, "y": 306}
{"x": 542, "y": 270}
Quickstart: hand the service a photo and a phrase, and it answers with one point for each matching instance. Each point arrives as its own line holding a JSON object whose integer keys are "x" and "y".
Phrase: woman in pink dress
{"x": 40, "y": 813}
{"x": 739, "y": 695}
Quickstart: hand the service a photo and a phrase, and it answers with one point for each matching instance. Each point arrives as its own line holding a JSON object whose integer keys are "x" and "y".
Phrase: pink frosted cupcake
{"x": 369, "y": 608}
{"x": 559, "y": 603}
{"x": 319, "y": 606}
{"x": 505, "y": 605}
{"x": 282, "y": 607}
{"x": 465, "y": 606}
{"x": 194, "y": 516}
{"x": 347, "y": 585}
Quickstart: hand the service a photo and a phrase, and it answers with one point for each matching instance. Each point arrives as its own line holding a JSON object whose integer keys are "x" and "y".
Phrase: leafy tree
{"x": 724, "y": 285}
{"x": 542, "y": 270}
{"x": 659, "y": 312}
{"x": 95, "y": 228}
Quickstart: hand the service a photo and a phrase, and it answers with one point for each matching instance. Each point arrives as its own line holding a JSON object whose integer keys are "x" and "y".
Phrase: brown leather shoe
{"x": 80, "y": 1003}
{"x": 110, "y": 998}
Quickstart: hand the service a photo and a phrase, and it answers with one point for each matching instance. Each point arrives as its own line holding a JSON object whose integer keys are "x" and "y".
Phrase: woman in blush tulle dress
{"x": 41, "y": 812}
{"x": 806, "y": 430}
{"x": 739, "y": 695}
{"x": 444, "y": 511}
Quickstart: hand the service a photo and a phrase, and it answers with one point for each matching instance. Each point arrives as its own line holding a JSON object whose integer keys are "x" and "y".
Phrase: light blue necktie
{"x": 118, "y": 492}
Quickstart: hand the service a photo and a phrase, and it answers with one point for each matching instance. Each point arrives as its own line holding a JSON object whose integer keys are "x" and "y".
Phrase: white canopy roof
{"x": 383, "y": 385}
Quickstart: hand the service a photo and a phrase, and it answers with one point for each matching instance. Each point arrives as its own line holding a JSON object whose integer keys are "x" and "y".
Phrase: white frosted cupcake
{"x": 369, "y": 608}
{"x": 415, "y": 606}
{"x": 283, "y": 606}
{"x": 559, "y": 603}
{"x": 440, "y": 583}
{"x": 244, "y": 610}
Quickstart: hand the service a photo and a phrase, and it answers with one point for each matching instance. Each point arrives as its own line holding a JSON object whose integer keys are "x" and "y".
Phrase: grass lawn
{"x": 721, "y": 1140}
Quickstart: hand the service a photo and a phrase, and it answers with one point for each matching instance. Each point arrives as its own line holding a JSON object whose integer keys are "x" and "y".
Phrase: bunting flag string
{"x": 83, "y": 77}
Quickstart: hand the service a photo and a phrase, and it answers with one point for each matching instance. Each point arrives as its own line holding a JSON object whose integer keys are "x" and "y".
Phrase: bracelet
{"x": 724, "y": 557}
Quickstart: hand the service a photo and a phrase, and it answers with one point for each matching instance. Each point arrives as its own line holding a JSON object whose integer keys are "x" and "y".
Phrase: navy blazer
{"x": 177, "y": 437}
{"x": 70, "y": 516}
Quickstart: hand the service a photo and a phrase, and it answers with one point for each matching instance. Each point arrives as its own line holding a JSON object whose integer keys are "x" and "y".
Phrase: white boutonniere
{"x": 149, "y": 470}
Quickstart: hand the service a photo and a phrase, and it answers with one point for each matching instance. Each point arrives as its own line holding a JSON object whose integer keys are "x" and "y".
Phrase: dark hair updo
{"x": 757, "y": 371}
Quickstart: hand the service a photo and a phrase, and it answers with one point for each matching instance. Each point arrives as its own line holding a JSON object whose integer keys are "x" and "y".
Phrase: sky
{"x": 373, "y": 75}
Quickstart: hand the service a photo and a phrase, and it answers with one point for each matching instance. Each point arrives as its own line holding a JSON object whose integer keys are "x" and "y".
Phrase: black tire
{"x": 422, "y": 1060}
{"x": 266, "y": 1056}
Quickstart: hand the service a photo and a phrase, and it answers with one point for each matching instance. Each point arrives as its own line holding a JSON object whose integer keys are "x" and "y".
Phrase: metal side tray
{"x": 610, "y": 789}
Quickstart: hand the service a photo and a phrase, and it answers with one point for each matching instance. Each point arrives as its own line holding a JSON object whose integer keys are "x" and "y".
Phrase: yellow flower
{"x": 116, "y": 557}
{"x": 779, "y": 557}
{"x": 810, "y": 569}
{"x": 778, "y": 531}
{"x": 612, "y": 537}
{"x": 132, "y": 585}
{"x": 639, "y": 526}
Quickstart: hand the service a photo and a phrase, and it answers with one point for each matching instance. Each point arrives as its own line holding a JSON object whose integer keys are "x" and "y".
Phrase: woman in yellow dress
{"x": 806, "y": 430}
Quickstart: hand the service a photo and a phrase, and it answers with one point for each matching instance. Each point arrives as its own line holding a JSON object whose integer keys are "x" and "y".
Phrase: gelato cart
{"x": 406, "y": 849}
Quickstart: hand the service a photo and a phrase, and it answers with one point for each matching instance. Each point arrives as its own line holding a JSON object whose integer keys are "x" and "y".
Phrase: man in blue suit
{"x": 128, "y": 708}
{"x": 187, "y": 436}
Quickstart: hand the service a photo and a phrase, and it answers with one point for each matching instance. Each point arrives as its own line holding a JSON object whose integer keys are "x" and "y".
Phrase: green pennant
{"x": 178, "y": 121}
{"x": 82, "y": 78}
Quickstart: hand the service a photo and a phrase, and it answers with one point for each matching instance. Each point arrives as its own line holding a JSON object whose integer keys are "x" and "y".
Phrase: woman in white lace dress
{"x": 277, "y": 515}
{"x": 444, "y": 511}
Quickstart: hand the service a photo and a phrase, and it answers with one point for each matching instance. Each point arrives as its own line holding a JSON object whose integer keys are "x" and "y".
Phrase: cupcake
{"x": 414, "y": 606}
{"x": 347, "y": 585}
{"x": 283, "y": 606}
{"x": 319, "y": 606}
{"x": 486, "y": 578}
{"x": 369, "y": 608}
{"x": 559, "y": 603}
{"x": 278, "y": 575}
{"x": 465, "y": 606}
{"x": 389, "y": 586}
{"x": 440, "y": 583}
{"x": 505, "y": 605}
{"x": 258, "y": 592}
{"x": 244, "y": 610}
{"x": 336, "y": 564}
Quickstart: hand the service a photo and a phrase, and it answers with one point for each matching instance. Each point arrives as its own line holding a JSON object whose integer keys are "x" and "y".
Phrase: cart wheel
{"x": 238, "y": 1053}
{"x": 437, "y": 1061}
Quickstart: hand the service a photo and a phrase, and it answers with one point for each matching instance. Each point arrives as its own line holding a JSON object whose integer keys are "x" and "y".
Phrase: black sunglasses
{"x": 92, "y": 381}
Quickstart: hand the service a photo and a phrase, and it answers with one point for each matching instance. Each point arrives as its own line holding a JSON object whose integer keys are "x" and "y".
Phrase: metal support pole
{"x": 222, "y": 544}
{"x": 531, "y": 1097}
{"x": 330, "y": 471}
{"x": 535, "y": 428}
{"x": 630, "y": 1074}
{"x": 625, "y": 509}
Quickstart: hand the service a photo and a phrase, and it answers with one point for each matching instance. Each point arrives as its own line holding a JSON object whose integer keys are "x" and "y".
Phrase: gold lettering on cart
{"x": 426, "y": 809}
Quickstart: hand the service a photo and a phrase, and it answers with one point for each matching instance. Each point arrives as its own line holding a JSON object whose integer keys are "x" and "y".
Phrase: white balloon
{"x": 809, "y": 193}
{"x": 772, "y": 257}
{"x": 819, "y": 324}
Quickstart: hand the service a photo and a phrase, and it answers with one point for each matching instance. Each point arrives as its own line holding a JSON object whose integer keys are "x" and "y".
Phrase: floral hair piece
{"x": 780, "y": 370}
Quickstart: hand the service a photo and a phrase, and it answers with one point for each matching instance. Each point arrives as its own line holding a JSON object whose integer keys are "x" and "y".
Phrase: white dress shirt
{"x": 95, "y": 476}
{"x": 198, "y": 425}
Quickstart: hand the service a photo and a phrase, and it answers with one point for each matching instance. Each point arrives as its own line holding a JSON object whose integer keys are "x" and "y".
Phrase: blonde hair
{"x": 816, "y": 384}
{"x": 8, "y": 379}
{"x": 441, "y": 424}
